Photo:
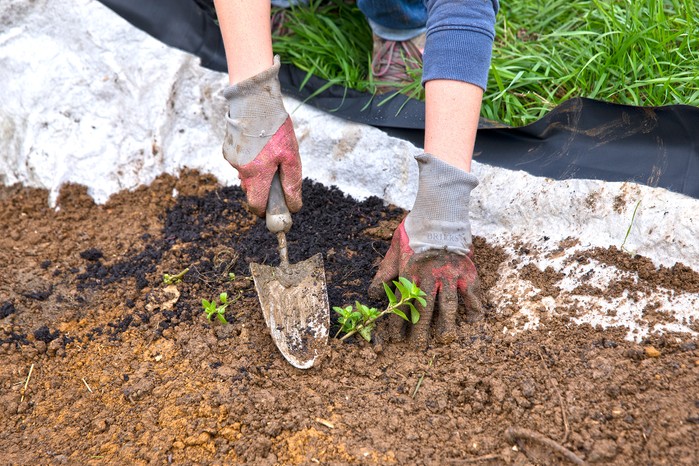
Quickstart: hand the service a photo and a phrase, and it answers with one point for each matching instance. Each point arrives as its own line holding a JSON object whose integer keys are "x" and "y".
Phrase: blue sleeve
{"x": 459, "y": 41}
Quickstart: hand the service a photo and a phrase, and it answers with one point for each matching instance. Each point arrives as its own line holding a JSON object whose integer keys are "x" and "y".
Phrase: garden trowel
{"x": 293, "y": 297}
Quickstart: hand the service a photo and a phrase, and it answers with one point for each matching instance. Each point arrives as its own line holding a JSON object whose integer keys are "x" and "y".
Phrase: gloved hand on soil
{"x": 260, "y": 139}
{"x": 433, "y": 247}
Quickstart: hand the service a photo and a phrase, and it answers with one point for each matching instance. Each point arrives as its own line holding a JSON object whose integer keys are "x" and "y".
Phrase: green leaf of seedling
{"x": 205, "y": 304}
{"x": 415, "y": 290}
{"x": 364, "y": 310}
{"x": 222, "y": 319}
{"x": 407, "y": 284}
{"x": 401, "y": 288}
{"x": 224, "y": 298}
{"x": 400, "y": 314}
{"x": 367, "y": 312}
{"x": 421, "y": 300}
{"x": 344, "y": 312}
{"x": 365, "y": 332}
{"x": 414, "y": 314}
{"x": 390, "y": 294}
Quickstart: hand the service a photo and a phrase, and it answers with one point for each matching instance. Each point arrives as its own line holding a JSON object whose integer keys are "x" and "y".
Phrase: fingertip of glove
{"x": 294, "y": 205}
{"x": 376, "y": 289}
{"x": 260, "y": 212}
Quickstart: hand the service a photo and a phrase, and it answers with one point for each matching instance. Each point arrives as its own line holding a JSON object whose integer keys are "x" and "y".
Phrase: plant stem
{"x": 181, "y": 274}
{"x": 365, "y": 324}
{"x": 388, "y": 310}
{"x": 172, "y": 279}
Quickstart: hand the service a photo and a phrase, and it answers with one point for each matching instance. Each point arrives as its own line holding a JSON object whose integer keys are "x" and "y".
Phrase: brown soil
{"x": 103, "y": 364}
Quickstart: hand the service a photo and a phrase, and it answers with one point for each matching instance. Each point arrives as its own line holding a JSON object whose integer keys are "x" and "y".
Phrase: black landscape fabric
{"x": 579, "y": 139}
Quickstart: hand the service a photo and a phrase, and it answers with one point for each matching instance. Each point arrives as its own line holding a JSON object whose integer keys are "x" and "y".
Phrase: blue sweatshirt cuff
{"x": 459, "y": 55}
{"x": 459, "y": 43}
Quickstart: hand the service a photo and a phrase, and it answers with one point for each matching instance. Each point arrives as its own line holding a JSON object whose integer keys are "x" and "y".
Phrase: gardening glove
{"x": 432, "y": 247}
{"x": 260, "y": 140}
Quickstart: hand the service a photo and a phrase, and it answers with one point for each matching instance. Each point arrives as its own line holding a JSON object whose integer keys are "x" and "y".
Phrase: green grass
{"x": 642, "y": 53}
{"x": 331, "y": 40}
{"x": 630, "y": 52}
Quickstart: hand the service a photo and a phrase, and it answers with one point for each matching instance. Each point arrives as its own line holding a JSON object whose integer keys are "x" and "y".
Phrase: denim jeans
{"x": 389, "y": 19}
{"x": 395, "y": 19}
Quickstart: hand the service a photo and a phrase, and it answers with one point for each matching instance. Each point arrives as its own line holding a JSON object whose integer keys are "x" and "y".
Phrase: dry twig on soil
{"x": 422, "y": 377}
{"x": 519, "y": 433}
{"x": 88, "y": 387}
{"x": 325, "y": 422}
{"x": 554, "y": 383}
{"x": 26, "y": 383}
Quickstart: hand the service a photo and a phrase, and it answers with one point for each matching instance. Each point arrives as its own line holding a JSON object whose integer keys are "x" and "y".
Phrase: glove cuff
{"x": 259, "y": 96}
{"x": 256, "y": 112}
{"x": 439, "y": 219}
{"x": 444, "y": 191}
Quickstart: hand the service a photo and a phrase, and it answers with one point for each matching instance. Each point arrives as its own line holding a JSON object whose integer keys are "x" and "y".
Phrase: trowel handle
{"x": 278, "y": 216}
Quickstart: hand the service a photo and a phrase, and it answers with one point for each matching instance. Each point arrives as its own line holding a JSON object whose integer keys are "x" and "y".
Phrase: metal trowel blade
{"x": 294, "y": 302}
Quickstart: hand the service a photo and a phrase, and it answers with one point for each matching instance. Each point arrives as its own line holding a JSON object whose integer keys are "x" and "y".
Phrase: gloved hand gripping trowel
{"x": 293, "y": 297}
{"x": 259, "y": 142}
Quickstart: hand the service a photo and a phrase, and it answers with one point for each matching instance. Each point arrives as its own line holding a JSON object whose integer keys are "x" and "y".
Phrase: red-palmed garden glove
{"x": 260, "y": 140}
{"x": 433, "y": 247}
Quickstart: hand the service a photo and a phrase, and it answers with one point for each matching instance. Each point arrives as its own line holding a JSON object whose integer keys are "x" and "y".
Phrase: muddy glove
{"x": 260, "y": 139}
{"x": 432, "y": 247}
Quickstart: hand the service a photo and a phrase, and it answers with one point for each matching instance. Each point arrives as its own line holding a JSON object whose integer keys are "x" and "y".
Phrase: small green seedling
{"x": 174, "y": 279}
{"x": 233, "y": 277}
{"x": 212, "y": 308}
{"x": 628, "y": 230}
{"x": 362, "y": 319}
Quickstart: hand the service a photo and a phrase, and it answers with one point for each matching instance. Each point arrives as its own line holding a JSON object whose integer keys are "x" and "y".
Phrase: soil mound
{"x": 103, "y": 363}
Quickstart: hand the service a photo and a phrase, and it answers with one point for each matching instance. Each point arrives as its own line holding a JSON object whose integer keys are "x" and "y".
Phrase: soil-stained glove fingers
{"x": 448, "y": 305}
{"x": 420, "y": 332}
{"x": 255, "y": 181}
{"x": 470, "y": 290}
{"x": 389, "y": 268}
{"x": 471, "y": 297}
{"x": 290, "y": 177}
{"x": 290, "y": 168}
{"x": 280, "y": 153}
{"x": 394, "y": 329}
